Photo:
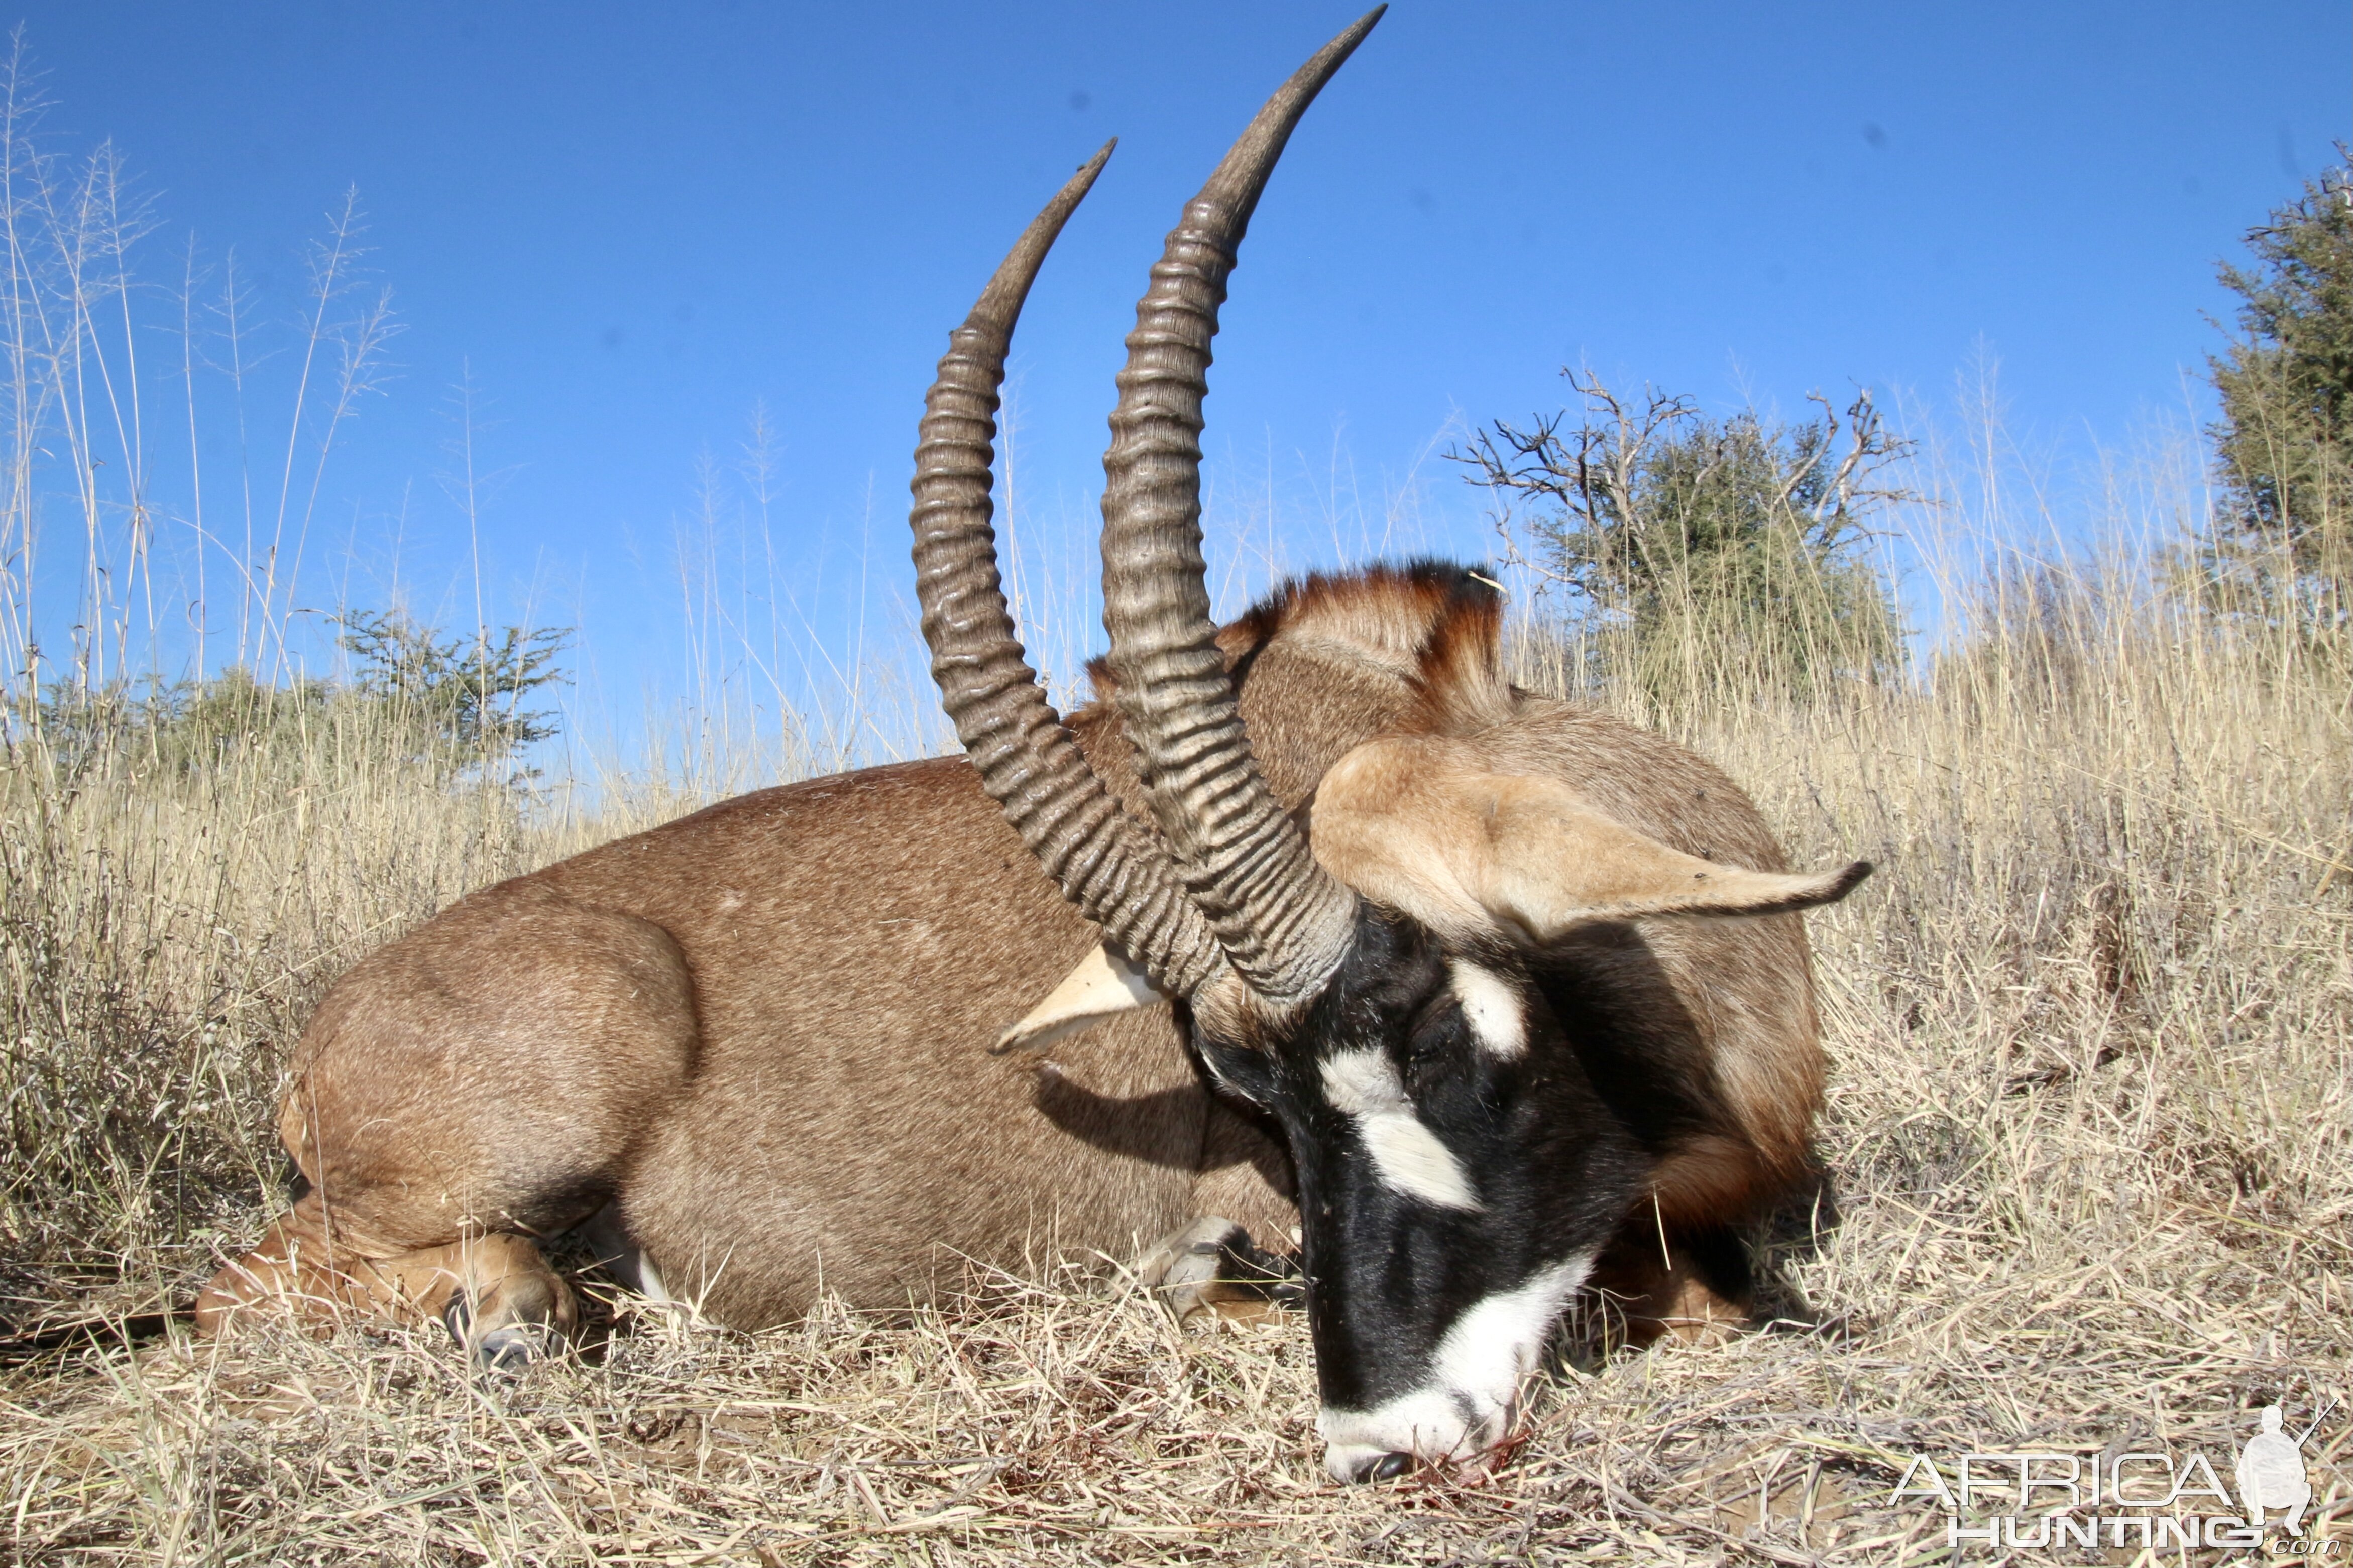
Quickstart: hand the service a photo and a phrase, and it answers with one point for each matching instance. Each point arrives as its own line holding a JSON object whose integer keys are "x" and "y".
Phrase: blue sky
{"x": 634, "y": 223}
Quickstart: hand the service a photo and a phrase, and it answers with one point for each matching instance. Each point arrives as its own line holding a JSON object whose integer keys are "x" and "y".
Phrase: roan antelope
{"x": 1360, "y": 939}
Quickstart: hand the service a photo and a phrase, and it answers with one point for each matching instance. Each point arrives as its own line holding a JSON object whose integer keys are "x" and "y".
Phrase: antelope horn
{"x": 1103, "y": 862}
{"x": 1281, "y": 919}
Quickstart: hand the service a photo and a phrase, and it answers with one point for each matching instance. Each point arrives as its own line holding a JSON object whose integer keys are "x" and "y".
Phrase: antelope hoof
{"x": 1211, "y": 1270}
{"x": 504, "y": 1335}
{"x": 1698, "y": 1316}
{"x": 508, "y": 1349}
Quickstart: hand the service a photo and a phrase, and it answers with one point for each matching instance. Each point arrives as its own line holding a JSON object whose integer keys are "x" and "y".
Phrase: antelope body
{"x": 1493, "y": 998}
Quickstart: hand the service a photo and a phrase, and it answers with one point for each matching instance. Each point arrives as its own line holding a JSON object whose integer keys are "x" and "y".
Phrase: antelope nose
{"x": 1384, "y": 1467}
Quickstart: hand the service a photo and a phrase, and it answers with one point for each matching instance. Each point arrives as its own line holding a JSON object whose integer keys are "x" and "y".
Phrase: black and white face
{"x": 1458, "y": 1175}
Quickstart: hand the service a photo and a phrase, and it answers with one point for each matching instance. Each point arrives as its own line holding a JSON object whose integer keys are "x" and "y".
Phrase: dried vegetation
{"x": 2088, "y": 1185}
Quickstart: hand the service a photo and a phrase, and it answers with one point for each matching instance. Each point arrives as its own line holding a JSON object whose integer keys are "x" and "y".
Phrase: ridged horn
{"x": 1104, "y": 862}
{"x": 1283, "y": 921}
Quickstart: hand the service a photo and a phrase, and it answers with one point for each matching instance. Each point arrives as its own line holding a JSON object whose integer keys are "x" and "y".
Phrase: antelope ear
{"x": 1416, "y": 825}
{"x": 1103, "y": 986}
{"x": 1554, "y": 861}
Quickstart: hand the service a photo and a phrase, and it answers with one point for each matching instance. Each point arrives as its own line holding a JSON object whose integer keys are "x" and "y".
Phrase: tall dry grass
{"x": 2090, "y": 1186}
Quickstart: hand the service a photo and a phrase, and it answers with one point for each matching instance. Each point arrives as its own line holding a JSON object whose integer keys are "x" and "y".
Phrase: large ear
{"x": 1415, "y": 823}
{"x": 1103, "y": 986}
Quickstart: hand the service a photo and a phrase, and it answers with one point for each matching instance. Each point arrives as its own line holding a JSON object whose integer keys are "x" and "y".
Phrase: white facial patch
{"x": 1408, "y": 1155}
{"x": 1466, "y": 1407}
{"x": 1494, "y": 1009}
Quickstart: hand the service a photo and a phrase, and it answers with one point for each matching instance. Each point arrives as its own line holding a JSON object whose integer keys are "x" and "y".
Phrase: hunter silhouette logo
{"x": 2271, "y": 1471}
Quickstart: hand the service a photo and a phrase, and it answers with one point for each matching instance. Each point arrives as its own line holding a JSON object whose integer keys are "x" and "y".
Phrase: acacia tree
{"x": 463, "y": 700}
{"x": 1689, "y": 551}
{"x": 2284, "y": 445}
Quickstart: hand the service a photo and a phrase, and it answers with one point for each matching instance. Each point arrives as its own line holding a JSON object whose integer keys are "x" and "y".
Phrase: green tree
{"x": 463, "y": 698}
{"x": 447, "y": 704}
{"x": 2284, "y": 445}
{"x": 1692, "y": 553}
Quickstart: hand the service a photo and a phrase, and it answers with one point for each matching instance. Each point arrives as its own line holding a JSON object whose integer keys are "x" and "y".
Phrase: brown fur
{"x": 763, "y": 1029}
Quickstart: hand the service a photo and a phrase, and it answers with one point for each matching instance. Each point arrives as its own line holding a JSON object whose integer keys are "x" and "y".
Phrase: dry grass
{"x": 2087, "y": 1141}
{"x": 2090, "y": 1186}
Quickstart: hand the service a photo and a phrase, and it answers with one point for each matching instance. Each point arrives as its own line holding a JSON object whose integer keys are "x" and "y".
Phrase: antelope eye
{"x": 1438, "y": 1038}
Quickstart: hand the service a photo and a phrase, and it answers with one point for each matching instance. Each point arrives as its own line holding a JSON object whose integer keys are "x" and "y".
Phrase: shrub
{"x": 1695, "y": 557}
